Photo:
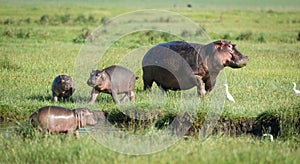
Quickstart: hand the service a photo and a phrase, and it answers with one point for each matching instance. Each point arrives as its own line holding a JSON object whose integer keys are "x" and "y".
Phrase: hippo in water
{"x": 62, "y": 87}
{"x": 50, "y": 119}
{"x": 179, "y": 65}
{"x": 113, "y": 80}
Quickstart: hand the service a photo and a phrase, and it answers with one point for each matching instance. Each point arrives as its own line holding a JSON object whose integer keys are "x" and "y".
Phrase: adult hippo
{"x": 179, "y": 65}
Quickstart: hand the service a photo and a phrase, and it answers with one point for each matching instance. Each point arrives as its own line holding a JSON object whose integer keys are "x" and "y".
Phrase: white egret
{"x": 229, "y": 96}
{"x": 297, "y": 92}
{"x": 268, "y": 135}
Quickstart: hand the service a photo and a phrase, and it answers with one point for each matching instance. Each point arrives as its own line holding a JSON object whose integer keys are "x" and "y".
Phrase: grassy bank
{"x": 40, "y": 41}
{"x": 56, "y": 149}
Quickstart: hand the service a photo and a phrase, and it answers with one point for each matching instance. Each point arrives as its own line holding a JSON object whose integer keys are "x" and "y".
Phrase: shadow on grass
{"x": 43, "y": 98}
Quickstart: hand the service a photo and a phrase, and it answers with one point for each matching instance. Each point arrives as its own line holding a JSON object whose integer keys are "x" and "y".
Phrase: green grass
{"x": 34, "y": 51}
{"x": 56, "y": 149}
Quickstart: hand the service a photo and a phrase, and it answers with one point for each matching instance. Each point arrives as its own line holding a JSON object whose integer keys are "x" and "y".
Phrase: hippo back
{"x": 56, "y": 119}
{"x": 172, "y": 65}
{"x": 114, "y": 77}
{"x": 121, "y": 78}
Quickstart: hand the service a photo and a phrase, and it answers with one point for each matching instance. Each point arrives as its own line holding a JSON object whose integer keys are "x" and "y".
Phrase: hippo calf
{"x": 50, "y": 119}
{"x": 179, "y": 65}
{"x": 113, "y": 80}
{"x": 62, "y": 87}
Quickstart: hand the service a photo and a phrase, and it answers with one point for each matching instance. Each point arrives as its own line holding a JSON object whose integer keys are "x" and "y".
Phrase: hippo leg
{"x": 115, "y": 97}
{"x": 163, "y": 90}
{"x": 210, "y": 82}
{"x": 129, "y": 95}
{"x": 77, "y": 134}
{"x": 94, "y": 96}
{"x": 147, "y": 82}
{"x": 200, "y": 86}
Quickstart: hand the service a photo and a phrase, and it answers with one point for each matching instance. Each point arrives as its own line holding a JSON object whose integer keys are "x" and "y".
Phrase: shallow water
{"x": 7, "y": 129}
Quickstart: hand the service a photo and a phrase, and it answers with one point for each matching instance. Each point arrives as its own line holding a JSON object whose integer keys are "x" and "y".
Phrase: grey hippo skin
{"x": 51, "y": 119}
{"x": 179, "y": 65}
{"x": 62, "y": 87}
{"x": 113, "y": 80}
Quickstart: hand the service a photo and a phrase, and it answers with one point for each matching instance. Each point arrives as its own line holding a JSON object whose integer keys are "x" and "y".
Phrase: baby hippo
{"x": 62, "y": 87}
{"x": 113, "y": 80}
{"x": 51, "y": 119}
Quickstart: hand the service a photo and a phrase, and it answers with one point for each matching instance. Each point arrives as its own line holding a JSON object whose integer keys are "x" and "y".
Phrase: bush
{"x": 104, "y": 20}
{"x": 81, "y": 38}
{"x": 8, "y": 33}
{"x": 23, "y": 34}
{"x": 44, "y": 19}
{"x": 226, "y": 36}
{"x": 8, "y": 21}
{"x": 92, "y": 19}
{"x": 245, "y": 36}
{"x": 65, "y": 18}
{"x": 80, "y": 19}
{"x": 261, "y": 38}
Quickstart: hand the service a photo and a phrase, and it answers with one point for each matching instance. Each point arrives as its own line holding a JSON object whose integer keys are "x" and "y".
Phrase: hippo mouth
{"x": 91, "y": 83}
{"x": 243, "y": 62}
{"x": 238, "y": 63}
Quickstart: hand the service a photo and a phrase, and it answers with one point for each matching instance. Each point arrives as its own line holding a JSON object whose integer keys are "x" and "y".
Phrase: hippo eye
{"x": 97, "y": 76}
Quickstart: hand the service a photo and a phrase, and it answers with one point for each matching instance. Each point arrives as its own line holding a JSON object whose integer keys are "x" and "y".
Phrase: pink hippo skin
{"x": 51, "y": 119}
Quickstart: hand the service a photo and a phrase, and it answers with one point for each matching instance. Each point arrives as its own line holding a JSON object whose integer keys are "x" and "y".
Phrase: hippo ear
{"x": 219, "y": 44}
{"x": 103, "y": 75}
{"x": 83, "y": 112}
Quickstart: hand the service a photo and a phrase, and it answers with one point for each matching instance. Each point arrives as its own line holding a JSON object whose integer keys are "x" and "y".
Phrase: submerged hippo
{"x": 180, "y": 65}
{"x": 62, "y": 87}
{"x": 113, "y": 80}
{"x": 58, "y": 119}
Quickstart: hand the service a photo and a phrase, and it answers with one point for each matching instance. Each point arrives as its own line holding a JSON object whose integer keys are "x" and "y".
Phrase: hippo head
{"x": 96, "y": 78}
{"x": 66, "y": 82}
{"x": 84, "y": 117}
{"x": 229, "y": 55}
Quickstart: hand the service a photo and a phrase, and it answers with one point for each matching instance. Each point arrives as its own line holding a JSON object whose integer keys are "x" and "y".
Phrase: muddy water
{"x": 7, "y": 129}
